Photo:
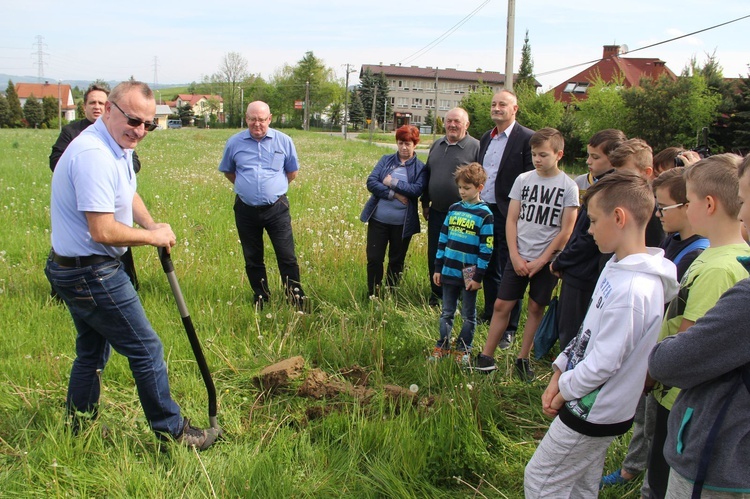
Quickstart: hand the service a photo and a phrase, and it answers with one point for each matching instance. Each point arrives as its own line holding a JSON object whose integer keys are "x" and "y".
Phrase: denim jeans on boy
{"x": 451, "y": 294}
{"x": 106, "y": 311}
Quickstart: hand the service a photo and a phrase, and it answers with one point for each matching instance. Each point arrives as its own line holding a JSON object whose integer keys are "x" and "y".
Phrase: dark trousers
{"x": 658, "y": 469}
{"x": 379, "y": 237}
{"x": 129, "y": 266}
{"x": 499, "y": 259}
{"x": 575, "y": 303}
{"x": 434, "y": 226}
{"x": 277, "y": 222}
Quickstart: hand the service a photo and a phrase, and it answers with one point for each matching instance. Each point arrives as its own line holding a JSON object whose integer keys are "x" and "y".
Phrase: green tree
{"x": 666, "y": 113}
{"x": 335, "y": 113}
{"x": 4, "y": 112}
{"x": 368, "y": 82}
{"x": 719, "y": 132}
{"x": 429, "y": 120}
{"x": 186, "y": 114}
{"x": 323, "y": 87}
{"x": 738, "y": 126}
{"x": 15, "y": 113}
{"x": 477, "y": 105}
{"x": 525, "y": 76}
{"x": 50, "y": 110}
{"x": 33, "y": 112}
{"x": 80, "y": 111}
{"x": 537, "y": 111}
{"x": 356, "y": 110}
{"x": 603, "y": 108}
{"x": 439, "y": 127}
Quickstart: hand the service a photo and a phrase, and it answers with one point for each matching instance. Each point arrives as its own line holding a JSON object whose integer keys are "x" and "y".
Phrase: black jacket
{"x": 516, "y": 160}
{"x": 70, "y": 132}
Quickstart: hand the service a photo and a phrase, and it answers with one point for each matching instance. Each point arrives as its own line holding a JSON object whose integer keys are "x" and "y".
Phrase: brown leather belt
{"x": 80, "y": 261}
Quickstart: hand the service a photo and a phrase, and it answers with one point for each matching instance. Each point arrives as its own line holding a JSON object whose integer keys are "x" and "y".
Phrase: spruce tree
{"x": 526, "y": 70}
{"x": 4, "y": 112}
{"x": 33, "y": 112}
{"x": 356, "y": 110}
{"x": 15, "y": 116}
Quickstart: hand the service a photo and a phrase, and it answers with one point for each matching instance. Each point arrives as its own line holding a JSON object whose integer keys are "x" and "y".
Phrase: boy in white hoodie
{"x": 598, "y": 378}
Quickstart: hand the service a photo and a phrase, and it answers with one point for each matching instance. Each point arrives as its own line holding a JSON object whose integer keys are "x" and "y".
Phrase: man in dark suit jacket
{"x": 505, "y": 153}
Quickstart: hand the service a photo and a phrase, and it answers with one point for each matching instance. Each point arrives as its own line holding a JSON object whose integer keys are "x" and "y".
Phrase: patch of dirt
{"x": 356, "y": 375}
{"x": 280, "y": 375}
{"x": 319, "y": 385}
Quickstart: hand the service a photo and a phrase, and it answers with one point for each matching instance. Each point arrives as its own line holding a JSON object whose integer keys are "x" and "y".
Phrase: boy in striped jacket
{"x": 464, "y": 250}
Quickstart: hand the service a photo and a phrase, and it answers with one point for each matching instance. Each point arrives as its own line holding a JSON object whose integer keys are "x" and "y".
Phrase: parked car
{"x": 174, "y": 123}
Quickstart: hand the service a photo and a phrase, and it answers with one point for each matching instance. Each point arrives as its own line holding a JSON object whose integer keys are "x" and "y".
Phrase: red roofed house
{"x": 611, "y": 66}
{"x": 202, "y": 104}
{"x": 46, "y": 89}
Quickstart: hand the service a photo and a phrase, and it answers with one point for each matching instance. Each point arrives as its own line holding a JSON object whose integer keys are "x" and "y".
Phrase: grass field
{"x": 469, "y": 435}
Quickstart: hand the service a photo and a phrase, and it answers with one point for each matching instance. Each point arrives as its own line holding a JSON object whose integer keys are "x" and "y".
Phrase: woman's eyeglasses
{"x": 150, "y": 126}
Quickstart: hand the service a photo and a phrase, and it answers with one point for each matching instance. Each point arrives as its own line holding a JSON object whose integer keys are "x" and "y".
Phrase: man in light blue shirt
{"x": 93, "y": 206}
{"x": 261, "y": 162}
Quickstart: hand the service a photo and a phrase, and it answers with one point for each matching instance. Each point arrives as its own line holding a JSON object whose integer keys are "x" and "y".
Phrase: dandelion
{"x": 414, "y": 388}
{"x": 268, "y": 316}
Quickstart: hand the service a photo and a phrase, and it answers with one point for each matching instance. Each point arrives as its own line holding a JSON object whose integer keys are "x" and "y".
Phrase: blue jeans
{"x": 106, "y": 311}
{"x": 451, "y": 293}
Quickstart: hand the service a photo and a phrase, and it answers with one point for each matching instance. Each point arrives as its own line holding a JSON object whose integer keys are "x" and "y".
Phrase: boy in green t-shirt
{"x": 713, "y": 205}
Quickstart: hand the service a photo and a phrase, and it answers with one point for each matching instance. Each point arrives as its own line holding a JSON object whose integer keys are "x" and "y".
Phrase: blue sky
{"x": 85, "y": 40}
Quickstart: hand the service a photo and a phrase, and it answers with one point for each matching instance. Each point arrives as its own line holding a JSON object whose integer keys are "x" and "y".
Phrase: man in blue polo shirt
{"x": 261, "y": 162}
{"x": 93, "y": 206}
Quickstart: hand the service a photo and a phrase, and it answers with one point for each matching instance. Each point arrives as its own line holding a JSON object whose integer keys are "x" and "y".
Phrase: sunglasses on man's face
{"x": 150, "y": 126}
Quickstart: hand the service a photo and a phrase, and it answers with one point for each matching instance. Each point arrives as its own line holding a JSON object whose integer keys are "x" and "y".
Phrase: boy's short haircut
{"x": 664, "y": 159}
{"x": 638, "y": 150}
{"x": 472, "y": 174}
{"x": 626, "y": 190}
{"x": 607, "y": 140}
{"x": 673, "y": 180}
{"x": 744, "y": 166}
{"x": 548, "y": 135}
{"x": 717, "y": 176}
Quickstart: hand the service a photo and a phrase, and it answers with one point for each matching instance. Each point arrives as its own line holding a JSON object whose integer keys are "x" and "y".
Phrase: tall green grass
{"x": 469, "y": 435}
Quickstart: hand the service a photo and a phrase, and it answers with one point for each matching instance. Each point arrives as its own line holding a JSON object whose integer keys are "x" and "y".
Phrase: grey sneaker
{"x": 523, "y": 369}
{"x": 507, "y": 340}
{"x": 195, "y": 437}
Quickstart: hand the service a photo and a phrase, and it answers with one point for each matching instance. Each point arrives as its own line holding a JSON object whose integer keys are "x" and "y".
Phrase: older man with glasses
{"x": 93, "y": 206}
{"x": 261, "y": 162}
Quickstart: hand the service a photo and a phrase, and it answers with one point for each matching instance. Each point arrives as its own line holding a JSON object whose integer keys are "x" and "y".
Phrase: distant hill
{"x": 82, "y": 84}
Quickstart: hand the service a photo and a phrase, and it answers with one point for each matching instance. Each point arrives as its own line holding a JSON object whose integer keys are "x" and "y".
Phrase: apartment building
{"x": 413, "y": 90}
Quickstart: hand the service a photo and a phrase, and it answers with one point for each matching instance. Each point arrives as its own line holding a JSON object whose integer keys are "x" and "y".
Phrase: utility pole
{"x": 385, "y": 111}
{"x": 372, "y": 112}
{"x": 509, "y": 45}
{"x": 434, "y": 117}
{"x": 307, "y": 106}
{"x": 346, "y": 101}
{"x": 59, "y": 105}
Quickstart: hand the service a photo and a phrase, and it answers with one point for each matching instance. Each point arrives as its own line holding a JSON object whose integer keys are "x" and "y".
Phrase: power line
{"x": 445, "y": 35}
{"x": 646, "y": 47}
